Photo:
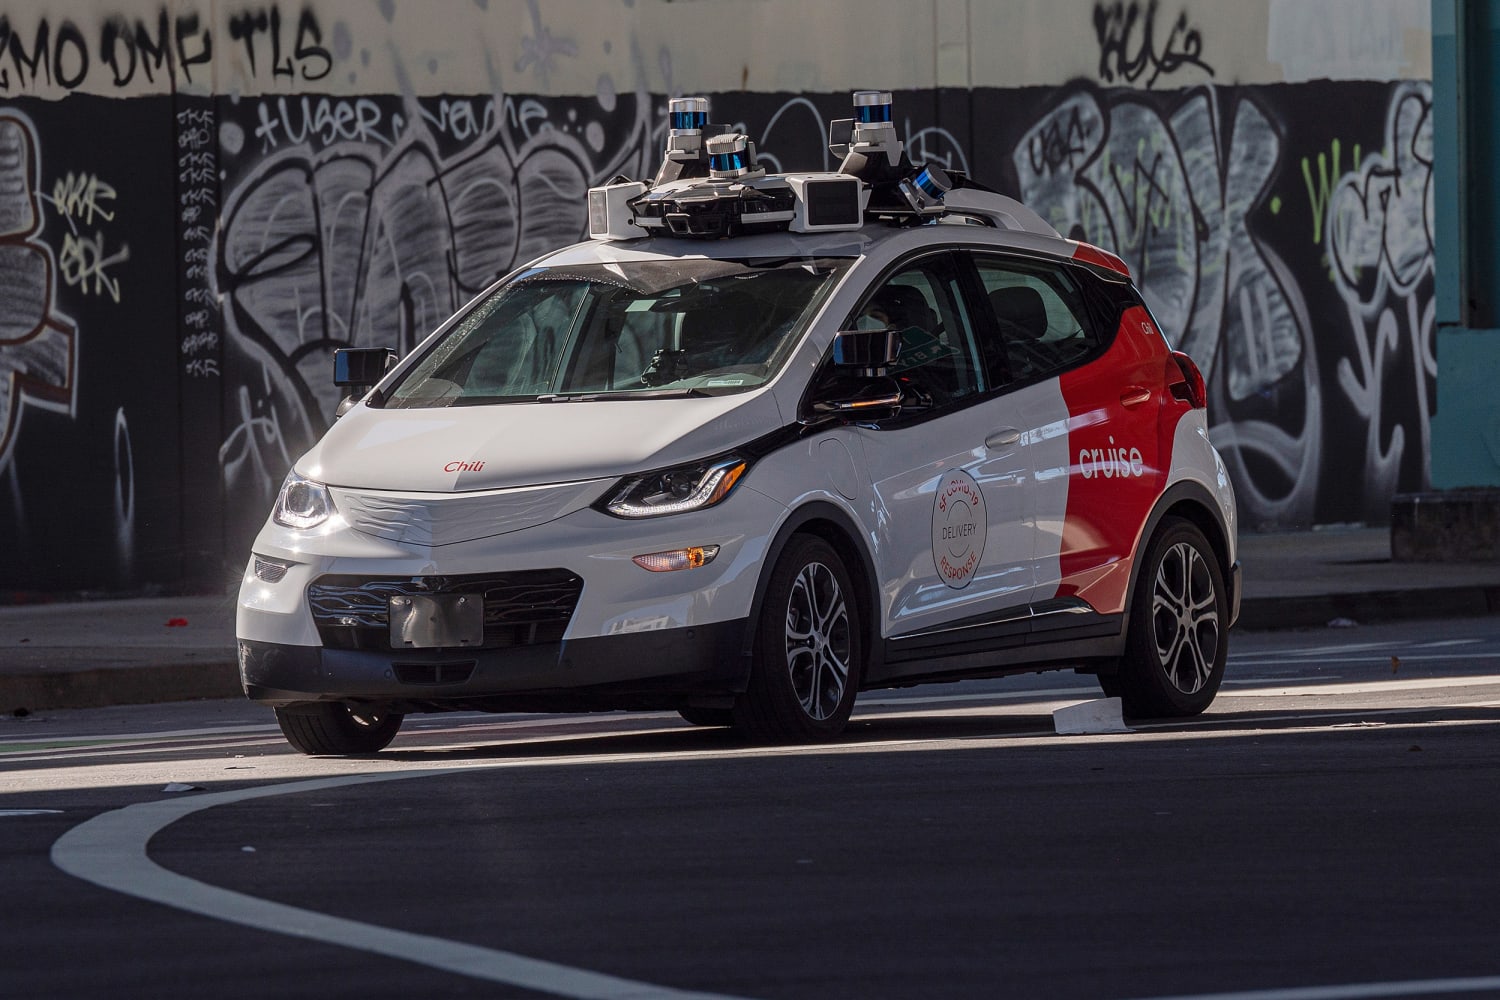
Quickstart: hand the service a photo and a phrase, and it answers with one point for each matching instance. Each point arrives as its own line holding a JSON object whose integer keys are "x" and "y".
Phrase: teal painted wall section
{"x": 1465, "y": 446}
{"x": 1466, "y": 430}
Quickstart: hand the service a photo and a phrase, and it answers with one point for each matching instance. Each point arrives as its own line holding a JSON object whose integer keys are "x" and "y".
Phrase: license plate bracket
{"x": 436, "y": 621}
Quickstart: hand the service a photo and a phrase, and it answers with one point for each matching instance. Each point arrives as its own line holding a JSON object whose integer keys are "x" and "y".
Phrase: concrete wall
{"x": 199, "y": 201}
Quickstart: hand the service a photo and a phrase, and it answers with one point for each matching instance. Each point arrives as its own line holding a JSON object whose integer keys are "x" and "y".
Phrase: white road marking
{"x": 489, "y": 729}
{"x": 1280, "y": 658}
{"x": 1362, "y": 687}
{"x": 1358, "y": 991}
{"x": 1038, "y": 694}
{"x": 61, "y": 742}
{"x": 132, "y": 749}
{"x": 110, "y": 851}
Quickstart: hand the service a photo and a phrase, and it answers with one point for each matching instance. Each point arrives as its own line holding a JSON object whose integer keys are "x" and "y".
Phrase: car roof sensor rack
{"x": 711, "y": 186}
{"x": 992, "y": 208}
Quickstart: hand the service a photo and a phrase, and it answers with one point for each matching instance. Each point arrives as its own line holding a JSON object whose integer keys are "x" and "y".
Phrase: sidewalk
{"x": 119, "y": 652}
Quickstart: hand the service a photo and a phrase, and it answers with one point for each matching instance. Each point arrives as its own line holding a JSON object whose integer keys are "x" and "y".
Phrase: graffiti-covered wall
{"x": 199, "y": 202}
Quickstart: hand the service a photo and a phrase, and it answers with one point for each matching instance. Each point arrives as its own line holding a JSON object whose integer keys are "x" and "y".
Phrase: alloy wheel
{"x": 1185, "y": 617}
{"x": 818, "y": 648}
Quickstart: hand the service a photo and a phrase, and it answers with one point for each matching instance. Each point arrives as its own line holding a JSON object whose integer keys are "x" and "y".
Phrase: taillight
{"x": 1191, "y": 388}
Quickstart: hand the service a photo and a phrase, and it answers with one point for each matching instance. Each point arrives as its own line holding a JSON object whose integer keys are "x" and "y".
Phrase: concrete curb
{"x": 41, "y": 689}
{"x": 1272, "y": 613}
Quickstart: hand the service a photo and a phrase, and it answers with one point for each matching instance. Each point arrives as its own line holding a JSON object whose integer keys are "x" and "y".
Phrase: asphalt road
{"x": 1327, "y": 830}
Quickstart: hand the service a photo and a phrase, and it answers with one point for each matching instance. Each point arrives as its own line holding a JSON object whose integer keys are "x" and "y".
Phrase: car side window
{"x": 939, "y": 360}
{"x": 1040, "y": 317}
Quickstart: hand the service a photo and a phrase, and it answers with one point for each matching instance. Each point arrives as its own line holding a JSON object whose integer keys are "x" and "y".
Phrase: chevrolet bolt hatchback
{"x": 762, "y": 442}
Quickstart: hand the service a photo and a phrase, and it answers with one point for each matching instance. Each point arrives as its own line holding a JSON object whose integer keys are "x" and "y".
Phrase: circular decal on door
{"x": 958, "y": 528}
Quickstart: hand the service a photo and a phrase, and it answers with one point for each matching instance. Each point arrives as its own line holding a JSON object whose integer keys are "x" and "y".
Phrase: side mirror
{"x": 859, "y": 388}
{"x": 358, "y": 369}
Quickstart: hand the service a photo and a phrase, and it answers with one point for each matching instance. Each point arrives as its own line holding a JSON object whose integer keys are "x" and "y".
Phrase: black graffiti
{"x": 65, "y": 61}
{"x": 1142, "y": 196}
{"x": 308, "y": 56}
{"x": 1059, "y": 144}
{"x": 1128, "y": 44}
{"x": 126, "y": 47}
{"x": 64, "y": 58}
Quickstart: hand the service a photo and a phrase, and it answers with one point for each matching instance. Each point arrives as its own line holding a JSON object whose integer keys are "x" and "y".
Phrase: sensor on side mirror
{"x": 361, "y": 366}
{"x": 870, "y": 351}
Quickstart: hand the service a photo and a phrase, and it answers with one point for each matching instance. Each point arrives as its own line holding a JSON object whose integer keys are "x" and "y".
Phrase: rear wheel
{"x": 809, "y": 649}
{"x": 337, "y": 728}
{"x": 1178, "y": 640}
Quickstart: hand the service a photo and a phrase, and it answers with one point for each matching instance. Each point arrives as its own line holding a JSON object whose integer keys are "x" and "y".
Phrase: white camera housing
{"x": 610, "y": 217}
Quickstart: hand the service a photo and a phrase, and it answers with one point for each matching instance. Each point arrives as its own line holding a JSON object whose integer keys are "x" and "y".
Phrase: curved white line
{"x": 110, "y": 851}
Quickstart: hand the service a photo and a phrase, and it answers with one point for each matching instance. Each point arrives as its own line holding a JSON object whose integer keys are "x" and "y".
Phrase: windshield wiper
{"x": 590, "y": 397}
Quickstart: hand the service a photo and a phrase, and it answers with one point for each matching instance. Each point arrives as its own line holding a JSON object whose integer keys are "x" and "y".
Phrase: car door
{"x": 1089, "y": 399}
{"x": 950, "y": 473}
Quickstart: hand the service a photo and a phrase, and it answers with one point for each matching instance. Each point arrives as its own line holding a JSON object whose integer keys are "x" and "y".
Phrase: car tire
{"x": 808, "y": 649}
{"x": 1110, "y": 685}
{"x": 707, "y": 716}
{"x": 1179, "y": 622}
{"x": 338, "y": 729}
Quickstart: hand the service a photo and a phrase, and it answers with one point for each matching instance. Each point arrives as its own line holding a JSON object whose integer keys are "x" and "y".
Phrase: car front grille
{"x": 524, "y": 608}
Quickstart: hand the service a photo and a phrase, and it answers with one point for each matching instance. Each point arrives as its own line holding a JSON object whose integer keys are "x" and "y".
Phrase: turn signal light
{"x": 670, "y": 562}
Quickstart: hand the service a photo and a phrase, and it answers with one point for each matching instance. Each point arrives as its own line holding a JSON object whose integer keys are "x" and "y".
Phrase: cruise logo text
{"x": 1111, "y": 463}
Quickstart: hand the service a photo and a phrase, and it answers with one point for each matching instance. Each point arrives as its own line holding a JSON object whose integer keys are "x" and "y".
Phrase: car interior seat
{"x": 1022, "y": 315}
{"x": 934, "y": 363}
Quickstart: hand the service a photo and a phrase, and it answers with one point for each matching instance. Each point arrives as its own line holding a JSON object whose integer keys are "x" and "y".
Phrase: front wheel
{"x": 333, "y": 728}
{"x": 1178, "y": 641}
{"x": 808, "y": 650}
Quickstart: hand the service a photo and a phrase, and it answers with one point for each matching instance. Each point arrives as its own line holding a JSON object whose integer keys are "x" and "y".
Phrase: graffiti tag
{"x": 1129, "y": 47}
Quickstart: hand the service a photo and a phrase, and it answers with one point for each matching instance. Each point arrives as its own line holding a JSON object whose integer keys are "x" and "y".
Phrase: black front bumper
{"x": 661, "y": 669}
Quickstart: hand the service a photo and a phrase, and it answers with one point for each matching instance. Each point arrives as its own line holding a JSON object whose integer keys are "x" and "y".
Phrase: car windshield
{"x": 627, "y": 329}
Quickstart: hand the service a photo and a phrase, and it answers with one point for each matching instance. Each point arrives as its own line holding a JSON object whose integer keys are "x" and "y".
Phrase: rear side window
{"x": 1040, "y": 320}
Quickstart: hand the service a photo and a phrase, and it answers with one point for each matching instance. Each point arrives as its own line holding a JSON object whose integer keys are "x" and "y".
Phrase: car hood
{"x": 462, "y": 449}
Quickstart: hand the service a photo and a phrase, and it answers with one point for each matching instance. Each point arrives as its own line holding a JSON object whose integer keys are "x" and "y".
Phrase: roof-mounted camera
{"x": 711, "y": 185}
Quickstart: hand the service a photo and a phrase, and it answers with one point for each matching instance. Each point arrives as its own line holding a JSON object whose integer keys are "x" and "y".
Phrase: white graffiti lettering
{"x": 84, "y": 264}
{"x": 323, "y": 120}
{"x": 81, "y": 197}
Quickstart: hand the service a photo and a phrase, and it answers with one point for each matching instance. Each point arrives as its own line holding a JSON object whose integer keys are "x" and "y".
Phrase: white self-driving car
{"x": 763, "y": 442}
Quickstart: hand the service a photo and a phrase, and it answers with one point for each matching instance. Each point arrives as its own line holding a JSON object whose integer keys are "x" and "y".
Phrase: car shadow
{"x": 635, "y": 736}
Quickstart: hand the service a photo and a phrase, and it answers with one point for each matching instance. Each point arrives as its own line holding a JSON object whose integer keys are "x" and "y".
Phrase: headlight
{"x": 679, "y": 489}
{"x": 302, "y": 503}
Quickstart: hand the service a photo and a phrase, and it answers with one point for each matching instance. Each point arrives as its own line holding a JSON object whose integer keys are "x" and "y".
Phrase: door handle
{"x": 1135, "y": 395}
{"x": 1003, "y": 437}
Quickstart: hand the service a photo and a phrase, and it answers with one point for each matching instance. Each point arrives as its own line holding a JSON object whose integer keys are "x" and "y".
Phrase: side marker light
{"x": 270, "y": 570}
{"x": 670, "y": 562}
